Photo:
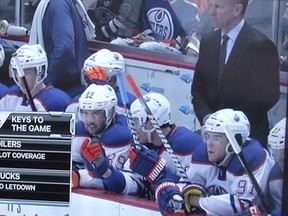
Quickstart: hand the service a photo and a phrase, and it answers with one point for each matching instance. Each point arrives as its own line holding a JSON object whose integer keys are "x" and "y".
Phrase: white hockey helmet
{"x": 30, "y": 56}
{"x": 99, "y": 97}
{"x": 159, "y": 106}
{"x": 276, "y": 137}
{"x": 112, "y": 62}
{"x": 2, "y": 55}
{"x": 235, "y": 120}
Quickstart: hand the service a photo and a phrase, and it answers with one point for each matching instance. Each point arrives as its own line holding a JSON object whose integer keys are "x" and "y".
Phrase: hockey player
{"x": 101, "y": 68}
{"x": 182, "y": 141}
{"x": 161, "y": 29}
{"x": 216, "y": 167}
{"x": 114, "y": 18}
{"x": 276, "y": 146}
{"x": 99, "y": 129}
{"x": 33, "y": 61}
{"x": 220, "y": 185}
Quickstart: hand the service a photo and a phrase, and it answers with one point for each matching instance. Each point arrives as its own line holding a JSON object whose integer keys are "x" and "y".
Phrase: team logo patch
{"x": 216, "y": 190}
{"x": 161, "y": 23}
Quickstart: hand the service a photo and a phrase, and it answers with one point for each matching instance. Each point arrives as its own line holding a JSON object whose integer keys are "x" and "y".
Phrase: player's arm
{"x": 125, "y": 24}
{"x": 152, "y": 166}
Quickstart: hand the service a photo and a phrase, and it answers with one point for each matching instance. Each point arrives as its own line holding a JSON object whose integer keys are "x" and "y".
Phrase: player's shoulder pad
{"x": 80, "y": 129}
{"x": 15, "y": 90}
{"x": 118, "y": 133}
{"x": 254, "y": 154}
{"x": 200, "y": 155}
{"x": 54, "y": 99}
{"x": 183, "y": 141}
{"x": 75, "y": 99}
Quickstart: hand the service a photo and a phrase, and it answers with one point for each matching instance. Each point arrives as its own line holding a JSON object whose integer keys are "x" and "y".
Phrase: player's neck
{"x": 38, "y": 88}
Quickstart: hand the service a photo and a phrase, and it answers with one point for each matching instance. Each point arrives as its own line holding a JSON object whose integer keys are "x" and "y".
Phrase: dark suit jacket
{"x": 250, "y": 80}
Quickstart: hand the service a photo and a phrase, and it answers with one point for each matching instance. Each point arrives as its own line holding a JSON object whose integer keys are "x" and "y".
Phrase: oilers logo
{"x": 148, "y": 87}
{"x": 216, "y": 190}
{"x": 161, "y": 23}
{"x": 187, "y": 78}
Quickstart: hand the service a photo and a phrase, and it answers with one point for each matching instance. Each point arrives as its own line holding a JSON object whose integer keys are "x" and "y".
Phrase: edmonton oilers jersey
{"x": 160, "y": 21}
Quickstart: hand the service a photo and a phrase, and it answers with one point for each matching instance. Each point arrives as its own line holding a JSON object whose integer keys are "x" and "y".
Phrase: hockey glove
{"x": 94, "y": 158}
{"x": 146, "y": 163}
{"x": 76, "y": 166}
{"x": 192, "y": 189}
{"x": 169, "y": 199}
{"x": 96, "y": 73}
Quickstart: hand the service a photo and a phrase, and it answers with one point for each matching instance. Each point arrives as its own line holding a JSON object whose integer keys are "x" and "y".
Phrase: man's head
{"x": 111, "y": 63}
{"x": 276, "y": 142}
{"x": 97, "y": 108}
{"x": 226, "y": 14}
{"x": 218, "y": 147}
{"x": 159, "y": 106}
{"x": 33, "y": 61}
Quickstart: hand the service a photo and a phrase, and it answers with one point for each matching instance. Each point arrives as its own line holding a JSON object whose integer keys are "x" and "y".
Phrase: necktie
{"x": 222, "y": 55}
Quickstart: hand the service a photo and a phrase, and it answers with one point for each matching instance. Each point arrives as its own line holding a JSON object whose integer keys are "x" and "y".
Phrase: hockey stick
{"x": 243, "y": 161}
{"x": 21, "y": 74}
{"x": 125, "y": 100}
{"x": 155, "y": 124}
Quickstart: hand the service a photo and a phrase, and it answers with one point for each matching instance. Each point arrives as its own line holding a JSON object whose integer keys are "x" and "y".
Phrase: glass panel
{"x": 260, "y": 14}
{"x": 7, "y": 10}
{"x": 283, "y": 35}
{"x": 29, "y": 10}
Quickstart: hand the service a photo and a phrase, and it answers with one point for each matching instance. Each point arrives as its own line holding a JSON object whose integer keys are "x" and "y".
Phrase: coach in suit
{"x": 249, "y": 80}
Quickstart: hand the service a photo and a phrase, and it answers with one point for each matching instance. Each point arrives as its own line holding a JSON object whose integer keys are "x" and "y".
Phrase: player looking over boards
{"x": 181, "y": 140}
{"x": 28, "y": 68}
{"x": 99, "y": 129}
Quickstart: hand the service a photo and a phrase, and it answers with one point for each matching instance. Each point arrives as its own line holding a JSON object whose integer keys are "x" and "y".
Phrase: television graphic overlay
{"x": 35, "y": 157}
